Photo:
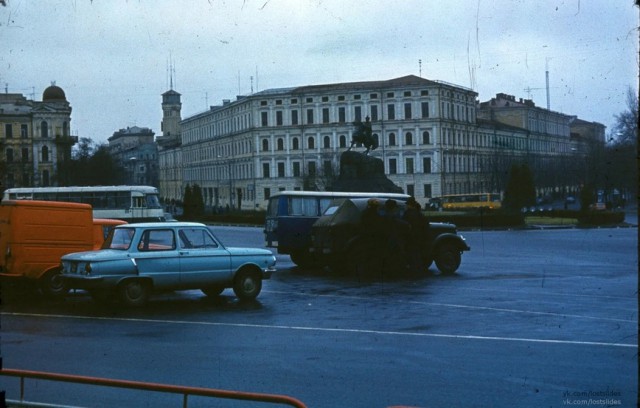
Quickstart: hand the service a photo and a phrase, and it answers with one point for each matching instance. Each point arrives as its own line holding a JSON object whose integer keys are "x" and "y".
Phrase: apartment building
{"x": 35, "y": 140}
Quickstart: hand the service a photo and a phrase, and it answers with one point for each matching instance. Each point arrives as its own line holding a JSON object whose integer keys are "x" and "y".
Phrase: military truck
{"x": 340, "y": 241}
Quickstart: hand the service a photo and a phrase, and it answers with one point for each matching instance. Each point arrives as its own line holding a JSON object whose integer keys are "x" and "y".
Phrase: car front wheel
{"x": 134, "y": 292}
{"x": 247, "y": 284}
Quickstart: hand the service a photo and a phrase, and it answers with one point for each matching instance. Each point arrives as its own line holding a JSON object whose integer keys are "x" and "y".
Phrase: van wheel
{"x": 52, "y": 284}
{"x": 213, "y": 290}
{"x": 134, "y": 292}
{"x": 247, "y": 284}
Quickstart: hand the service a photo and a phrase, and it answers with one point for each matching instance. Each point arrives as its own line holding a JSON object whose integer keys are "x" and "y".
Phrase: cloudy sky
{"x": 111, "y": 57}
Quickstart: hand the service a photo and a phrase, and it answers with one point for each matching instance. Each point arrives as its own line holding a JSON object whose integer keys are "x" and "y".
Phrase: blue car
{"x": 137, "y": 259}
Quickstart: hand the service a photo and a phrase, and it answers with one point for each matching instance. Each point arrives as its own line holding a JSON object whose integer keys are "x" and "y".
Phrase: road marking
{"x": 334, "y": 330}
{"x": 493, "y": 309}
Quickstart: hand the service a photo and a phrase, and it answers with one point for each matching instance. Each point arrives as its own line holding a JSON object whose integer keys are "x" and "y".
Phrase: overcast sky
{"x": 111, "y": 56}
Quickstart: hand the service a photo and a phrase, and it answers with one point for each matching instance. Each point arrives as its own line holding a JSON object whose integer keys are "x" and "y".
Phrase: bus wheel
{"x": 52, "y": 284}
{"x": 448, "y": 259}
{"x": 302, "y": 258}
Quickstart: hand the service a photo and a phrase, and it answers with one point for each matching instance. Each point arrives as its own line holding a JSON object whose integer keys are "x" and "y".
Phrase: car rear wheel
{"x": 214, "y": 290}
{"x": 52, "y": 284}
{"x": 134, "y": 292}
{"x": 447, "y": 258}
{"x": 247, "y": 284}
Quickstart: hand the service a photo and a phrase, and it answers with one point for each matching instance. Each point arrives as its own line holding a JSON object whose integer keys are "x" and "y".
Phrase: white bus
{"x": 128, "y": 203}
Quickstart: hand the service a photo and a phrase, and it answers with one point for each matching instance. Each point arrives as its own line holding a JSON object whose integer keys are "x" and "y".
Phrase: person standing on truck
{"x": 417, "y": 235}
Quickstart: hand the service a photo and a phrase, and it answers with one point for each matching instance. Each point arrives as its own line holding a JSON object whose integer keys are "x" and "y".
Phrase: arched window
{"x": 45, "y": 154}
{"x": 392, "y": 139}
{"x": 280, "y": 144}
{"x": 265, "y": 145}
{"x": 408, "y": 139}
{"x": 311, "y": 143}
{"x": 376, "y": 138}
{"x": 44, "y": 129}
{"x": 295, "y": 144}
{"x": 343, "y": 141}
{"x": 426, "y": 137}
{"x": 326, "y": 142}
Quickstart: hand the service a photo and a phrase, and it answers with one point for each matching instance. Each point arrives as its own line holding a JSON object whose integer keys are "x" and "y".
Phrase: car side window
{"x": 157, "y": 240}
{"x": 196, "y": 238}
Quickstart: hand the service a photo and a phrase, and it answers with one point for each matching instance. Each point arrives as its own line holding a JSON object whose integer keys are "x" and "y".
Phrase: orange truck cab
{"x": 34, "y": 235}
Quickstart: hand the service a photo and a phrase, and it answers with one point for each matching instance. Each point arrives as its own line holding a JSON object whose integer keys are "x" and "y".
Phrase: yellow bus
{"x": 471, "y": 201}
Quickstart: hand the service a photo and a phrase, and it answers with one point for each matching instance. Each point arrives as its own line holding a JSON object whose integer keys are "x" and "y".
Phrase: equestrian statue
{"x": 362, "y": 136}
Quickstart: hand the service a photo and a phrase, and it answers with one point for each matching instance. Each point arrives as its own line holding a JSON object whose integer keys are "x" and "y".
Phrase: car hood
{"x": 248, "y": 251}
{"x": 95, "y": 255}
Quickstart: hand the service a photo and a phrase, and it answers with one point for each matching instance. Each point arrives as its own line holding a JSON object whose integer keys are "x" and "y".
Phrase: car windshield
{"x": 119, "y": 238}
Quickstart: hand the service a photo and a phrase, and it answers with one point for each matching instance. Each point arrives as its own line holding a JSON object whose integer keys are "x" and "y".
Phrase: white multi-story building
{"x": 431, "y": 139}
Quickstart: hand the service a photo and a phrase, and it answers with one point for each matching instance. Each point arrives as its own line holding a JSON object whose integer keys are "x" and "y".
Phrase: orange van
{"x": 34, "y": 235}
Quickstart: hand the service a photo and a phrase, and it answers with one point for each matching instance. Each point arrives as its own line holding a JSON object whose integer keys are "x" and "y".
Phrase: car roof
{"x": 162, "y": 224}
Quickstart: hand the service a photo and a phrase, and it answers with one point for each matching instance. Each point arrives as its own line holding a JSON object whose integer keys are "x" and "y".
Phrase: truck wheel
{"x": 134, "y": 292}
{"x": 213, "y": 290}
{"x": 302, "y": 258}
{"x": 52, "y": 284}
{"x": 247, "y": 284}
{"x": 447, "y": 258}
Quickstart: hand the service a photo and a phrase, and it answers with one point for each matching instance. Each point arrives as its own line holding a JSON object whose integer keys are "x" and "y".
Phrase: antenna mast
{"x": 547, "y": 78}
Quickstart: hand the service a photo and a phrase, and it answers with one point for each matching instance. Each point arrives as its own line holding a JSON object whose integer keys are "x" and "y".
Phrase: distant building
{"x": 35, "y": 139}
{"x": 169, "y": 149}
{"x": 136, "y": 152}
{"x": 434, "y": 138}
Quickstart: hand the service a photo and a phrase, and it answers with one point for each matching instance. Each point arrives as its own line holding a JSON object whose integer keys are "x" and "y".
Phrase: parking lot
{"x": 532, "y": 318}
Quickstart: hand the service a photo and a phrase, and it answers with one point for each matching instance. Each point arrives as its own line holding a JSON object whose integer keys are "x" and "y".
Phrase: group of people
{"x": 395, "y": 239}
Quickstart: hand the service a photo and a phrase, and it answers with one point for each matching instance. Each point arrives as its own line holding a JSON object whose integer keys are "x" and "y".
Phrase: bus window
{"x": 307, "y": 206}
{"x": 138, "y": 202}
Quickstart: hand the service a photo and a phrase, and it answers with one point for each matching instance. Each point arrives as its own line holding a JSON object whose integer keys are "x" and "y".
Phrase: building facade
{"x": 134, "y": 150}
{"x": 434, "y": 138}
{"x": 35, "y": 139}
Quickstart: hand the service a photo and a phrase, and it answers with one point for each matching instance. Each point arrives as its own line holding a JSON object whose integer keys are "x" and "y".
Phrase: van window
{"x": 303, "y": 206}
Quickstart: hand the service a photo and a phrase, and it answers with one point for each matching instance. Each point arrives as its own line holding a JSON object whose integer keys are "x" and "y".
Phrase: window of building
{"x": 296, "y": 169}
{"x": 263, "y": 103}
{"x": 280, "y": 169}
{"x": 265, "y": 170}
{"x": 325, "y": 99}
{"x": 309, "y": 100}
{"x": 309, "y": 116}
{"x": 407, "y": 111}
{"x": 264, "y": 118}
{"x": 294, "y": 101}
{"x": 267, "y": 193}
{"x": 391, "y": 111}
{"x": 343, "y": 141}
{"x": 325, "y": 115}
{"x": 294, "y": 117}
{"x": 341, "y": 97}
{"x": 311, "y": 143}
{"x": 373, "y": 96}
{"x": 426, "y": 165}
{"x": 374, "y": 113}
{"x": 25, "y": 154}
{"x": 407, "y": 93}
{"x": 357, "y": 113}
{"x": 44, "y": 129}
{"x": 278, "y": 101}
{"x": 376, "y": 138}
{"x": 45, "y": 154}
{"x": 280, "y": 144}
{"x": 424, "y": 92}
{"x": 427, "y": 190}
{"x": 295, "y": 143}
{"x": 24, "y": 131}
{"x": 278, "y": 118}
{"x": 411, "y": 190}
{"x": 265, "y": 145}
{"x": 342, "y": 115}
{"x": 327, "y": 168}
{"x": 393, "y": 166}
{"x": 326, "y": 142}
{"x": 408, "y": 138}
{"x": 392, "y": 139}
{"x": 311, "y": 166}
{"x": 8, "y": 131}
{"x": 409, "y": 166}
{"x": 45, "y": 178}
{"x": 357, "y": 97}
{"x": 9, "y": 153}
{"x": 426, "y": 137}
{"x": 390, "y": 95}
